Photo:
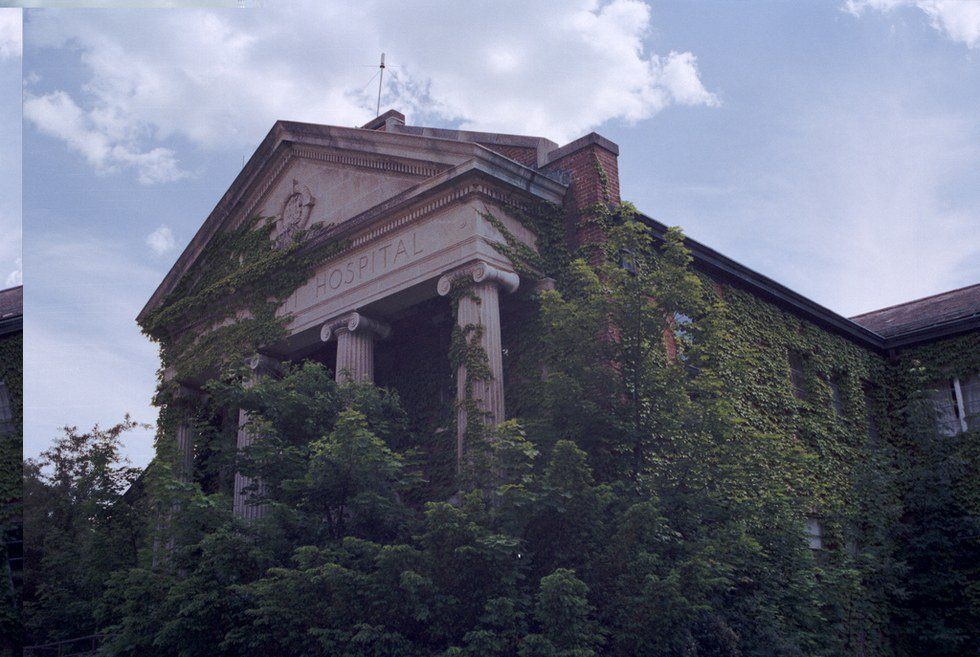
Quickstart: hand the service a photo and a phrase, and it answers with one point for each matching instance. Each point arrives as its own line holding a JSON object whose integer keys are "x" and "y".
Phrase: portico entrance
{"x": 407, "y": 220}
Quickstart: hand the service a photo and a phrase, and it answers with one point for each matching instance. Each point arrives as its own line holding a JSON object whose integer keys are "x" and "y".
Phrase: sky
{"x": 10, "y": 142}
{"x": 833, "y": 146}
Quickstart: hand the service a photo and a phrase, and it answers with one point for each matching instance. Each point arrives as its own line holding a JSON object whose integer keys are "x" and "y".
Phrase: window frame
{"x": 797, "y": 373}
{"x": 6, "y": 410}
{"x": 868, "y": 395}
{"x": 813, "y": 530}
{"x": 836, "y": 394}
{"x": 969, "y": 417}
{"x": 962, "y": 418}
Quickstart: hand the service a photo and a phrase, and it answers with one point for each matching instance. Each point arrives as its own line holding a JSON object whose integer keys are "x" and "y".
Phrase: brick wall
{"x": 580, "y": 163}
{"x": 523, "y": 154}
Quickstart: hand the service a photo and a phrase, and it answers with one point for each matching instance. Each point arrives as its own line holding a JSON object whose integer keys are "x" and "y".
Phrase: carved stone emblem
{"x": 295, "y": 215}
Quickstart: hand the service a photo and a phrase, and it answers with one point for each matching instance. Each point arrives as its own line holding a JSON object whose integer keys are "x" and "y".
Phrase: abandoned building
{"x": 410, "y": 204}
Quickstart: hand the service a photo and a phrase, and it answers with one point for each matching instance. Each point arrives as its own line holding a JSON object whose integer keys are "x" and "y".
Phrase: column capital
{"x": 262, "y": 365}
{"x": 186, "y": 394}
{"x": 352, "y": 323}
{"x": 479, "y": 272}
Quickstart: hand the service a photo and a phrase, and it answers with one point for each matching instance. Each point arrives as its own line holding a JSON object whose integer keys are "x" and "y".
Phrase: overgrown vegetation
{"x": 648, "y": 496}
{"x": 11, "y": 507}
{"x": 78, "y": 530}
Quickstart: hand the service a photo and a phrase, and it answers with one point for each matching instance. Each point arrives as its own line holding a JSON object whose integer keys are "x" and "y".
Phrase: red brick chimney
{"x": 590, "y": 165}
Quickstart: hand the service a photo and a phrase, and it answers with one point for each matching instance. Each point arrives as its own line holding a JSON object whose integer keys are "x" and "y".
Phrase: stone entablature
{"x": 295, "y": 150}
{"x": 403, "y": 251}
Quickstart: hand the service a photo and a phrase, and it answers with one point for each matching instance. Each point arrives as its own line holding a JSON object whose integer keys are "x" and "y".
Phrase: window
{"x": 814, "y": 534}
{"x": 836, "y": 399}
{"x": 627, "y": 261}
{"x": 947, "y": 411}
{"x": 680, "y": 322}
{"x": 15, "y": 553}
{"x": 6, "y": 410}
{"x": 796, "y": 375}
{"x": 682, "y": 334}
{"x": 957, "y": 405}
{"x": 869, "y": 415}
{"x": 683, "y": 340}
{"x": 970, "y": 389}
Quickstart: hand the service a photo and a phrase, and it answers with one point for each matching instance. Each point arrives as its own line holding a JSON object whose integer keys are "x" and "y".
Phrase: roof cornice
{"x": 714, "y": 262}
{"x": 938, "y": 331}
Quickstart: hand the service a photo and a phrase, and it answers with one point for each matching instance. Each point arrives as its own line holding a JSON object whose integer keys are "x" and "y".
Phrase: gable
{"x": 305, "y": 174}
{"x": 328, "y": 187}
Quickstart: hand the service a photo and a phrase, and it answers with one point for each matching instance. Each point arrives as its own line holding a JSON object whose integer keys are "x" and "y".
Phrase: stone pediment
{"x": 326, "y": 187}
{"x": 304, "y": 174}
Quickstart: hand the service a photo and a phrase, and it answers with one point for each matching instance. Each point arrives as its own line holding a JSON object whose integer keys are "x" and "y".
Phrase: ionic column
{"x": 183, "y": 402}
{"x": 182, "y": 405}
{"x": 184, "y": 469}
{"x": 260, "y": 366}
{"x": 478, "y": 315}
{"x": 355, "y": 335}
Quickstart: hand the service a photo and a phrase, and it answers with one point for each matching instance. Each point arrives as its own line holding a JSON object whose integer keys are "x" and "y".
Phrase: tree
{"x": 78, "y": 529}
{"x": 564, "y": 617}
{"x": 631, "y": 507}
{"x": 939, "y": 533}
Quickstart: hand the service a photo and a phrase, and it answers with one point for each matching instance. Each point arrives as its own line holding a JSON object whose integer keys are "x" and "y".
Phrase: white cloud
{"x": 161, "y": 240}
{"x": 58, "y": 115}
{"x": 16, "y": 277}
{"x": 680, "y": 77}
{"x": 219, "y": 79}
{"x": 11, "y": 36}
{"x": 959, "y": 20}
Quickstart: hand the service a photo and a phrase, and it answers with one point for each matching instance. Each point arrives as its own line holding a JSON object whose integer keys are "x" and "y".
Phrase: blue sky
{"x": 833, "y": 146}
{"x": 10, "y": 144}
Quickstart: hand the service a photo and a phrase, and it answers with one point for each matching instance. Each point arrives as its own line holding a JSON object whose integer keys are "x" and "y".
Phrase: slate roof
{"x": 12, "y": 302}
{"x": 923, "y": 314}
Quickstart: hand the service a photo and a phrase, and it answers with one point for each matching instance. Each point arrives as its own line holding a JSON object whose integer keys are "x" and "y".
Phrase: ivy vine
{"x": 466, "y": 353}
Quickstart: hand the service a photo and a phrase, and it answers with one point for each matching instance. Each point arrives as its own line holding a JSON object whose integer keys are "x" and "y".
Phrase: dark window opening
{"x": 836, "y": 399}
{"x": 627, "y": 261}
{"x": 14, "y": 545}
{"x": 796, "y": 375}
{"x": 414, "y": 361}
{"x": 6, "y": 410}
{"x": 869, "y": 412}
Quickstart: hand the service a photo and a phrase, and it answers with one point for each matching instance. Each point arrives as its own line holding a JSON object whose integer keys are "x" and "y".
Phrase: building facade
{"x": 413, "y": 211}
{"x": 11, "y": 450}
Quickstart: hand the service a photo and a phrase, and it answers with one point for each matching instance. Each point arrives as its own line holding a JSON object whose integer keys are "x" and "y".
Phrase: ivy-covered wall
{"x": 841, "y": 430}
{"x": 896, "y": 512}
{"x": 11, "y": 445}
{"x": 11, "y": 488}
{"x": 939, "y": 482}
{"x": 935, "y": 363}
{"x": 835, "y": 418}
{"x": 763, "y": 337}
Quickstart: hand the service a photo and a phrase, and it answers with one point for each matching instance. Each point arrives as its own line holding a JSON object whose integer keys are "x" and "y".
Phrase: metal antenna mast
{"x": 380, "y": 80}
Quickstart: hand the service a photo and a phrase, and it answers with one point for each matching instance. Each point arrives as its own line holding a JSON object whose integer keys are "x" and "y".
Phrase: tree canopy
{"x": 628, "y": 508}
